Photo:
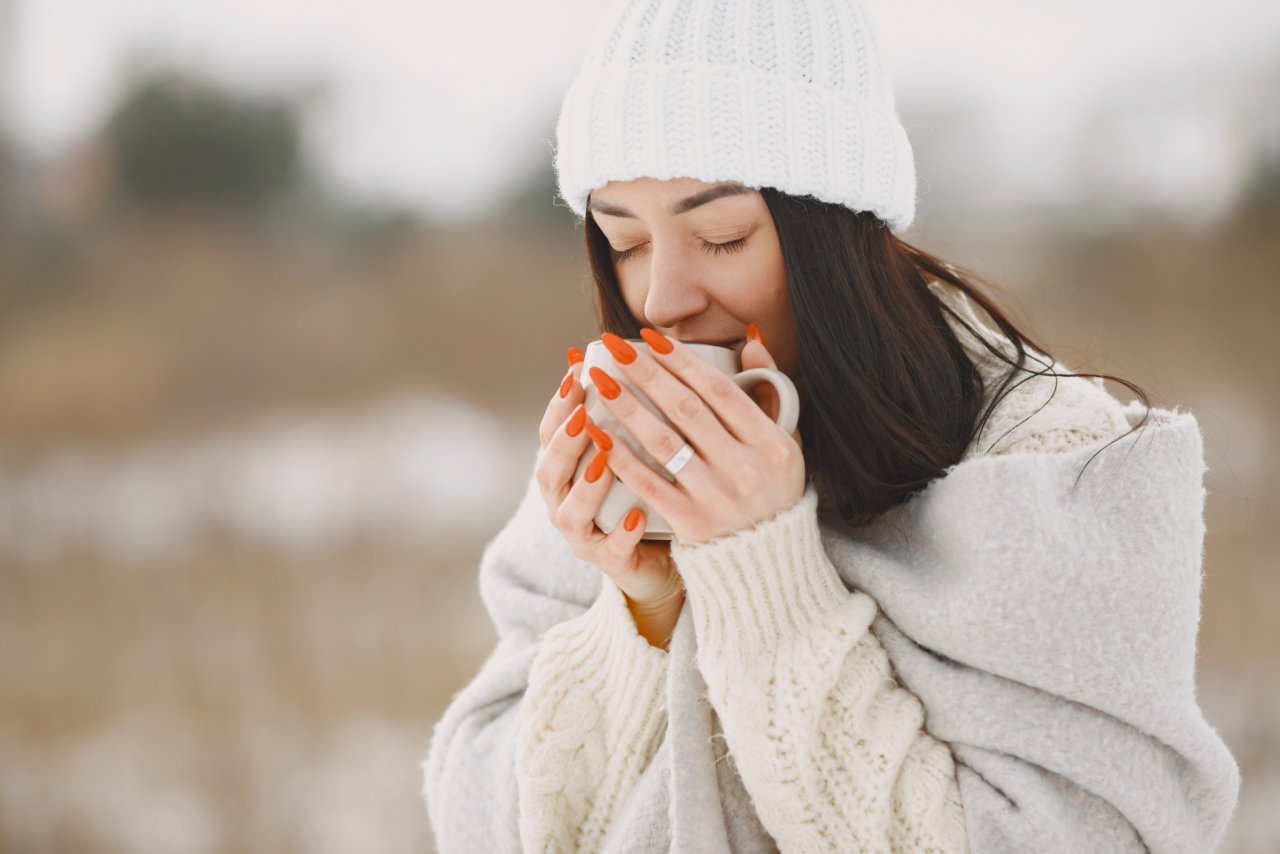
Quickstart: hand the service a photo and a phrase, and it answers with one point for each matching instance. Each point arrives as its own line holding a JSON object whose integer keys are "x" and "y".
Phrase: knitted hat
{"x": 790, "y": 94}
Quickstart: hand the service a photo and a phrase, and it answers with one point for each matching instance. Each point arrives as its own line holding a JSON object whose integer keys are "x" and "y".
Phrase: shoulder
{"x": 1038, "y": 412}
{"x": 1051, "y": 414}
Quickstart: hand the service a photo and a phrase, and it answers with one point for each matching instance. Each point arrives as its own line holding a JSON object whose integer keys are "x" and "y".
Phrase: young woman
{"x": 915, "y": 623}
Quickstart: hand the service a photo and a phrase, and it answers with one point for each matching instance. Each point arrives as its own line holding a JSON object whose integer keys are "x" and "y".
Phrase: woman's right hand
{"x": 643, "y": 571}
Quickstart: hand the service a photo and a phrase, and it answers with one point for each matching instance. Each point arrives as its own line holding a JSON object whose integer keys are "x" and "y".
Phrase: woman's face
{"x": 674, "y": 276}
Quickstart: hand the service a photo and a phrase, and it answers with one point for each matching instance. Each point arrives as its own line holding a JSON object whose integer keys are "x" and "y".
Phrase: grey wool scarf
{"x": 1047, "y": 626}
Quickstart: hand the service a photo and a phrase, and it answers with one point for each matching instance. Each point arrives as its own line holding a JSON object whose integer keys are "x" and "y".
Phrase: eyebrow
{"x": 682, "y": 206}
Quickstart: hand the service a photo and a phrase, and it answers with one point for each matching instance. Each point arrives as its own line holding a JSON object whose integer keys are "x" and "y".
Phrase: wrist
{"x": 655, "y": 621}
{"x": 672, "y": 592}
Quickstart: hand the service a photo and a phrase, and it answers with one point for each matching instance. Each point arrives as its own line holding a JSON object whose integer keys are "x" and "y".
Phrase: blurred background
{"x": 247, "y": 469}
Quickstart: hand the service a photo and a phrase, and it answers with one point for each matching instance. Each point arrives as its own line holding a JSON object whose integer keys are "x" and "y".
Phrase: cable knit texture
{"x": 997, "y": 665}
{"x": 583, "y": 738}
{"x": 830, "y": 747}
{"x": 792, "y": 95}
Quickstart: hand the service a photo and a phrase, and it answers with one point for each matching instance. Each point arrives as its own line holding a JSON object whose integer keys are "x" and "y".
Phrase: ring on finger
{"x": 679, "y": 459}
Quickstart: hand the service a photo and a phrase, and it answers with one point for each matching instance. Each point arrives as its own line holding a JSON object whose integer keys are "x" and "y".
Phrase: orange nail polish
{"x": 575, "y": 356}
{"x": 753, "y": 332}
{"x": 656, "y": 340}
{"x": 605, "y": 383}
{"x": 566, "y": 385}
{"x": 579, "y": 418}
{"x": 600, "y": 437}
{"x": 622, "y": 352}
{"x": 633, "y": 519}
{"x": 596, "y": 467}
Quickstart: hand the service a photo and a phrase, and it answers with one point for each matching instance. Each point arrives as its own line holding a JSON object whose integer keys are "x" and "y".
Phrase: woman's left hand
{"x": 745, "y": 469}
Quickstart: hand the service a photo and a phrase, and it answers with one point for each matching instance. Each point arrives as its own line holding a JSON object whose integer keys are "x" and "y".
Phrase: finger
{"x": 754, "y": 353}
{"x": 577, "y": 513}
{"x": 732, "y": 406}
{"x": 677, "y": 401}
{"x": 617, "y": 549}
{"x": 655, "y": 438}
{"x": 560, "y": 459}
{"x": 563, "y": 401}
{"x": 656, "y": 491}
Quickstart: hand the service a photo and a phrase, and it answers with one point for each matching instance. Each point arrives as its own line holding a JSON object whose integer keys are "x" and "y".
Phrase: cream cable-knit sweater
{"x": 834, "y": 752}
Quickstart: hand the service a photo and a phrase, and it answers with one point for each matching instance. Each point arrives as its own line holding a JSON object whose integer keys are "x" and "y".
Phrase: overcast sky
{"x": 442, "y": 105}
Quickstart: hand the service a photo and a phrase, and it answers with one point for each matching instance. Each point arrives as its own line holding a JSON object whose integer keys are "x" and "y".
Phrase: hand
{"x": 746, "y": 469}
{"x": 643, "y": 571}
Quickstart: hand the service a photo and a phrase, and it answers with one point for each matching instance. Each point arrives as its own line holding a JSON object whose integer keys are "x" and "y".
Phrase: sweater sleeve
{"x": 832, "y": 750}
{"x": 567, "y": 652}
{"x": 591, "y": 720}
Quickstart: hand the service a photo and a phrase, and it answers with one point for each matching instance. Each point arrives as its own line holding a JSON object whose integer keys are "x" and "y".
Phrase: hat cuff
{"x": 718, "y": 123}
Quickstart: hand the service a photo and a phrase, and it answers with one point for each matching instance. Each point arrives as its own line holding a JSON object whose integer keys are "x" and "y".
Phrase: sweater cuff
{"x": 754, "y": 589}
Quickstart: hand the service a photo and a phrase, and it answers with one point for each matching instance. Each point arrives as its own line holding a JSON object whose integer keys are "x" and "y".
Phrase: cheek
{"x": 772, "y": 280}
{"x": 769, "y": 292}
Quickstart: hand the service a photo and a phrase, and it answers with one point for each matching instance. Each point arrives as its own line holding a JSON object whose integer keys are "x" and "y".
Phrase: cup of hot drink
{"x": 620, "y": 498}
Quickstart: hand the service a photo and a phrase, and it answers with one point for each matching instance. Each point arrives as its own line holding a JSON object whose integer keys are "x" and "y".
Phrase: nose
{"x": 676, "y": 288}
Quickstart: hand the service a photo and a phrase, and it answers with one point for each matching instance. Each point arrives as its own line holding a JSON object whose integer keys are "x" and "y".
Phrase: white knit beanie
{"x": 790, "y": 94}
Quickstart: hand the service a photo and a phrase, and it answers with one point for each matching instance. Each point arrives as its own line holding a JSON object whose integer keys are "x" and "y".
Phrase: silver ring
{"x": 678, "y": 461}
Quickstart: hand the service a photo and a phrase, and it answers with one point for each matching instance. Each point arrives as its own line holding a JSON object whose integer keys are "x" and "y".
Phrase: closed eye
{"x": 711, "y": 248}
{"x": 731, "y": 246}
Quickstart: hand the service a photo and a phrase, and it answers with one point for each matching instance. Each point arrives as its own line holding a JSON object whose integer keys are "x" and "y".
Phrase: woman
{"x": 914, "y": 624}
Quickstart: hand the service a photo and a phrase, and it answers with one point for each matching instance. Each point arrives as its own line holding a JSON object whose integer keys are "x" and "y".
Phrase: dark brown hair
{"x": 893, "y": 399}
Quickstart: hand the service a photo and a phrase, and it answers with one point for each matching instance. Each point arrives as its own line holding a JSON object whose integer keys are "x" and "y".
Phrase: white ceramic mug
{"x": 620, "y": 498}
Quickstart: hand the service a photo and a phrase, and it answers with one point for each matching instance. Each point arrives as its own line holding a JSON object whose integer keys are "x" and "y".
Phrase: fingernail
{"x": 605, "y": 383}
{"x": 599, "y": 437}
{"x": 579, "y": 418}
{"x": 596, "y": 467}
{"x": 753, "y": 332}
{"x": 622, "y": 352}
{"x": 633, "y": 519}
{"x": 566, "y": 384}
{"x": 575, "y": 356}
{"x": 656, "y": 340}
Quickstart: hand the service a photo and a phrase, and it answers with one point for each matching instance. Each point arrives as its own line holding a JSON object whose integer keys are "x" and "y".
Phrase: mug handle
{"x": 788, "y": 397}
